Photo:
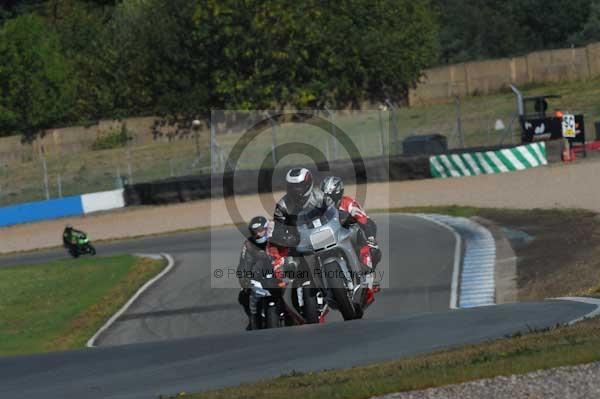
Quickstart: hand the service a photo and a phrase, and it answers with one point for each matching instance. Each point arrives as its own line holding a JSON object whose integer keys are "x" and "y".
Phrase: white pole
{"x": 59, "y": 184}
{"x": 381, "y": 134}
{"x": 273, "y": 140}
{"x": 45, "y": 167}
{"x": 213, "y": 148}
{"x": 129, "y": 171}
{"x": 335, "y": 140}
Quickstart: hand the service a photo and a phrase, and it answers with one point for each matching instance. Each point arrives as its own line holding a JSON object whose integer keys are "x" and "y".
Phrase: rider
{"x": 369, "y": 252}
{"x": 70, "y": 236}
{"x": 253, "y": 257}
{"x": 301, "y": 194}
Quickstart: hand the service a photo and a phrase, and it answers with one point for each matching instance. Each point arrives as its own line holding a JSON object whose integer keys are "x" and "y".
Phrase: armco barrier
{"x": 102, "y": 201}
{"x": 43, "y": 210}
{"x": 489, "y": 162}
{"x": 59, "y": 208}
{"x": 191, "y": 188}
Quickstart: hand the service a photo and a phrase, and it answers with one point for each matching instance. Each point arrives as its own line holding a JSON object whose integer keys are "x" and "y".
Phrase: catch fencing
{"x": 55, "y": 167}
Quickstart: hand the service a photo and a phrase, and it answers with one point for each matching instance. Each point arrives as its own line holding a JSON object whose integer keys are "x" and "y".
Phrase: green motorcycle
{"x": 81, "y": 246}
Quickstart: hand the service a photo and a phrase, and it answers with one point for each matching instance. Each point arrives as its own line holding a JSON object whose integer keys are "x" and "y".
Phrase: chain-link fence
{"x": 35, "y": 174}
{"x": 39, "y": 175}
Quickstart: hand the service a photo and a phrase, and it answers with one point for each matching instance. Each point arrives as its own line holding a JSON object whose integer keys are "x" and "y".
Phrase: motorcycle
{"x": 328, "y": 250}
{"x": 266, "y": 305}
{"x": 81, "y": 246}
{"x": 273, "y": 311}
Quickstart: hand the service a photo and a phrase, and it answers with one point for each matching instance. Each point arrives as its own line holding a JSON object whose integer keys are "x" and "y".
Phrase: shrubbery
{"x": 115, "y": 138}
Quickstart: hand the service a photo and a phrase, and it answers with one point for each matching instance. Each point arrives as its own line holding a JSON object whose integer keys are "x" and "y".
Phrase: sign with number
{"x": 568, "y": 126}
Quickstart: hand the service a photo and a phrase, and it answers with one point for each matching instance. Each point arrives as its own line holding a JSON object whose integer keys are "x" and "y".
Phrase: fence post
{"x": 45, "y": 167}
{"x": 327, "y": 154}
{"x": 334, "y": 136}
{"x": 59, "y": 185}
{"x": 381, "y": 134}
{"x": 213, "y": 148}
{"x": 119, "y": 179}
{"x": 273, "y": 139}
{"x": 459, "y": 123}
{"x": 129, "y": 171}
{"x": 394, "y": 124}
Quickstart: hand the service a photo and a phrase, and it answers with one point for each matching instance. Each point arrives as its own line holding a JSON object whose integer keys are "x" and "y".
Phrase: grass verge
{"x": 61, "y": 304}
{"x": 561, "y": 346}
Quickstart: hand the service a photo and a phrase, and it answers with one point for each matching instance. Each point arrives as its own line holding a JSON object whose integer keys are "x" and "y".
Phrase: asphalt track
{"x": 417, "y": 271}
{"x": 195, "y": 364}
{"x": 409, "y": 317}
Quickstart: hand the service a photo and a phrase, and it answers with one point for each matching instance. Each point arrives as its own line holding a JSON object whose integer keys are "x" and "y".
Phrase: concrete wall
{"x": 483, "y": 77}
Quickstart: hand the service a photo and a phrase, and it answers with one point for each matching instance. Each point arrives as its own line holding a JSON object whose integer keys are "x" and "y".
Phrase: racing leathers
{"x": 369, "y": 251}
{"x": 253, "y": 261}
{"x": 285, "y": 217}
{"x": 350, "y": 212}
{"x": 70, "y": 236}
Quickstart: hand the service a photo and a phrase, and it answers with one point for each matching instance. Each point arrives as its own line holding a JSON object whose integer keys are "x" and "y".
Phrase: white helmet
{"x": 299, "y": 184}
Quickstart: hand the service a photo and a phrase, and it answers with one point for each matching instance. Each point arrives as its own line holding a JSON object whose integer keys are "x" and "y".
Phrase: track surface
{"x": 196, "y": 364}
{"x": 183, "y": 304}
{"x": 408, "y": 318}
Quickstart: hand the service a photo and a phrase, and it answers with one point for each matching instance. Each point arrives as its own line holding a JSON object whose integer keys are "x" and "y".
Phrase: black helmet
{"x": 299, "y": 184}
{"x": 68, "y": 227}
{"x": 258, "y": 228}
{"x": 333, "y": 187}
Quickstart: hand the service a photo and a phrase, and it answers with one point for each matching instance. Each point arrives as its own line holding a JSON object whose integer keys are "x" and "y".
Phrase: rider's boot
{"x": 254, "y": 322}
{"x": 376, "y": 286}
{"x": 369, "y": 296}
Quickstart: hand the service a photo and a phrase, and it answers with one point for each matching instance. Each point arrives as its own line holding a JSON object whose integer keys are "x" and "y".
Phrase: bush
{"x": 113, "y": 139}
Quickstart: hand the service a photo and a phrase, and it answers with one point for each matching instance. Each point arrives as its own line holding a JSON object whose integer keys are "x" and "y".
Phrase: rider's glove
{"x": 278, "y": 271}
{"x": 371, "y": 242}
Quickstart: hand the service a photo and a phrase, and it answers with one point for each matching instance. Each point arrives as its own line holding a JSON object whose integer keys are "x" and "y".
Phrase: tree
{"x": 313, "y": 53}
{"x": 85, "y": 41}
{"x": 590, "y": 31}
{"x": 36, "y": 91}
{"x": 477, "y": 29}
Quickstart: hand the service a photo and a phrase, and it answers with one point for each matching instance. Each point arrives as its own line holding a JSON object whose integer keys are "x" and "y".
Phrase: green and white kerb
{"x": 482, "y": 163}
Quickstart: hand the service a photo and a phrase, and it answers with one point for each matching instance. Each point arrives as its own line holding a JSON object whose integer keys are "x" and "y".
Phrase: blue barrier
{"x": 42, "y": 210}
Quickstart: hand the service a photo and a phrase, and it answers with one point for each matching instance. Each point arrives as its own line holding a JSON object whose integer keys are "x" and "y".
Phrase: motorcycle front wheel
{"x": 91, "y": 250}
{"x": 311, "y": 306}
{"x": 335, "y": 282}
{"x": 272, "y": 316}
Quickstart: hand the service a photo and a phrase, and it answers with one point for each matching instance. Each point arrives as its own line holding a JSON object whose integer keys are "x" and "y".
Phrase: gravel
{"x": 561, "y": 383}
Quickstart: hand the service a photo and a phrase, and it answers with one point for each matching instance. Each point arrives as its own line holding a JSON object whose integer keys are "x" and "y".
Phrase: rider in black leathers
{"x": 253, "y": 262}
{"x": 301, "y": 195}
